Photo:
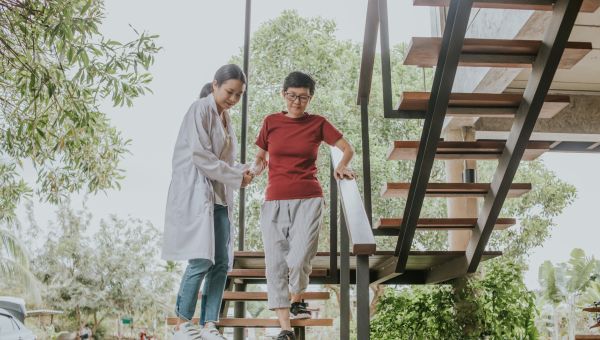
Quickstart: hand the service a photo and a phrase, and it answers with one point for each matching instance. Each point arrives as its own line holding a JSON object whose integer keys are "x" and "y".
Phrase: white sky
{"x": 199, "y": 36}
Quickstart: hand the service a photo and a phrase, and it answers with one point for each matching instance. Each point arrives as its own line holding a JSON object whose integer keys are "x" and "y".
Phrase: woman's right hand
{"x": 247, "y": 179}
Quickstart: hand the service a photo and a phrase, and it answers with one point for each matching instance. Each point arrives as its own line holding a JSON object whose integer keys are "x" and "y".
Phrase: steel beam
{"x": 452, "y": 42}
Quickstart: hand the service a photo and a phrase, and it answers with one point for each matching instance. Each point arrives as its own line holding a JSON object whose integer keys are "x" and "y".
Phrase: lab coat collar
{"x": 212, "y": 103}
{"x": 213, "y": 106}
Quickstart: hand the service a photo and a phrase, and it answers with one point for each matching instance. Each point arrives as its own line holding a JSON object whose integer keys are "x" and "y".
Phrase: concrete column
{"x": 460, "y": 207}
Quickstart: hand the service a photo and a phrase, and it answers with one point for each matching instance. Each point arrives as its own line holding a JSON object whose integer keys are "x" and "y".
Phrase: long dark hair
{"x": 223, "y": 74}
{"x": 206, "y": 90}
{"x": 229, "y": 71}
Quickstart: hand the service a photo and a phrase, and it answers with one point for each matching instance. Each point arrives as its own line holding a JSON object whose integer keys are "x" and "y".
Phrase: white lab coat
{"x": 189, "y": 222}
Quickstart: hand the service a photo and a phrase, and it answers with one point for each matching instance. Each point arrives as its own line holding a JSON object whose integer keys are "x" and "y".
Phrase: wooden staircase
{"x": 250, "y": 269}
{"x": 352, "y": 257}
{"x": 229, "y": 296}
{"x": 446, "y": 54}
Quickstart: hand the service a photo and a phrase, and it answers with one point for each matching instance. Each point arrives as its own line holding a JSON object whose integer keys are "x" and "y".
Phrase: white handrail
{"x": 357, "y": 221}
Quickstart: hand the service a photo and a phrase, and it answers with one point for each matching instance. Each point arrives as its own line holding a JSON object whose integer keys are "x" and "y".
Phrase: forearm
{"x": 258, "y": 167}
{"x": 216, "y": 169}
{"x": 260, "y": 163}
{"x": 348, "y": 154}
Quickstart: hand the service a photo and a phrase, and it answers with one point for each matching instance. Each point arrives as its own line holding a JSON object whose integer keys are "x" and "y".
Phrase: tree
{"x": 548, "y": 198}
{"x": 56, "y": 68}
{"x": 565, "y": 287}
{"x": 114, "y": 273}
{"x": 14, "y": 264}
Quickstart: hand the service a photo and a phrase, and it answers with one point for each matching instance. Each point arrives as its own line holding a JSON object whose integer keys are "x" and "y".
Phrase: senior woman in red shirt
{"x": 292, "y": 213}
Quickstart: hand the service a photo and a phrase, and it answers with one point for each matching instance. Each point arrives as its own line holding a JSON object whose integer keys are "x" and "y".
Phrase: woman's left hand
{"x": 342, "y": 172}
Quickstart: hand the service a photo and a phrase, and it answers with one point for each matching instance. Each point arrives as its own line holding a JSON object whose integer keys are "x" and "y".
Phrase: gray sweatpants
{"x": 290, "y": 233}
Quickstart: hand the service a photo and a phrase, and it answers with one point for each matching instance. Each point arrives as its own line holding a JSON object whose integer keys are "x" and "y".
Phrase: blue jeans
{"x": 214, "y": 275}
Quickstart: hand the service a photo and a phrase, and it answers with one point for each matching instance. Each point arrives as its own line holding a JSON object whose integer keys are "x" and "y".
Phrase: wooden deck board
{"x": 477, "y": 150}
{"x": 262, "y": 296}
{"x": 394, "y": 190}
{"x": 443, "y": 223}
{"x": 424, "y": 52}
{"x": 418, "y": 260}
{"x": 482, "y": 104}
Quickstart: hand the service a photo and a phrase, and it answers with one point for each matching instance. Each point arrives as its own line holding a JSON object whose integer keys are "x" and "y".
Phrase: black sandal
{"x": 286, "y": 335}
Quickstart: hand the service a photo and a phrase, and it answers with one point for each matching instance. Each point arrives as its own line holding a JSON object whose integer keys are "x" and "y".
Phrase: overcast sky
{"x": 199, "y": 36}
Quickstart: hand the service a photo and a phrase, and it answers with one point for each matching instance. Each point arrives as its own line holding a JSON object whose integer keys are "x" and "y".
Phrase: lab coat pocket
{"x": 186, "y": 200}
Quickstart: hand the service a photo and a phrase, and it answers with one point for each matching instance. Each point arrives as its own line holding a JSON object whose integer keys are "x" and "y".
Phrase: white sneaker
{"x": 210, "y": 332}
{"x": 187, "y": 331}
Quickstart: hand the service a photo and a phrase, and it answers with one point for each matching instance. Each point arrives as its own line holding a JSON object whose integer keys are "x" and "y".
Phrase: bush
{"x": 494, "y": 305}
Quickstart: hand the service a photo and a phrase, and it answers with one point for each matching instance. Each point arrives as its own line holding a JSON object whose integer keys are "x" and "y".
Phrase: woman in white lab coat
{"x": 199, "y": 210}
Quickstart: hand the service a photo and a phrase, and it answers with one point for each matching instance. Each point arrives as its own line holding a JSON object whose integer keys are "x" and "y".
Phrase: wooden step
{"x": 588, "y": 6}
{"x": 478, "y": 150}
{"x": 392, "y": 190}
{"x": 260, "y": 273}
{"x": 442, "y": 223}
{"x": 587, "y": 337}
{"x": 260, "y": 323}
{"x": 424, "y": 52}
{"x": 497, "y": 105}
{"x": 425, "y": 260}
{"x": 417, "y": 260}
{"x": 262, "y": 296}
{"x": 592, "y": 309}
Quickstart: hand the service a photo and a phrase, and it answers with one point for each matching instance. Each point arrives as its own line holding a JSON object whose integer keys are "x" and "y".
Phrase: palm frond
{"x": 21, "y": 277}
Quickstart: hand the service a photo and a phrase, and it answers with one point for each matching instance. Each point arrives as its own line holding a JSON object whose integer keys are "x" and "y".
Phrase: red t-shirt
{"x": 293, "y": 146}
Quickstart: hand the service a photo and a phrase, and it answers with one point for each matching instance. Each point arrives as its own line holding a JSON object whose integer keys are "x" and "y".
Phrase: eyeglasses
{"x": 292, "y": 97}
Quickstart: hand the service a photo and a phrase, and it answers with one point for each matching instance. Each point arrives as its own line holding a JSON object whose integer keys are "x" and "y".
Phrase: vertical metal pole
{"x": 333, "y": 222}
{"x": 386, "y": 70}
{"x": 362, "y": 297}
{"x": 364, "y": 124}
{"x": 243, "y": 137}
{"x": 344, "y": 279}
{"x": 239, "y": 307}
{"x": 239, "y": 312}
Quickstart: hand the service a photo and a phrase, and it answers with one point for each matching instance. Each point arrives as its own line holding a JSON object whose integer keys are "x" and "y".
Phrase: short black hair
{"x": 299, "y": 79}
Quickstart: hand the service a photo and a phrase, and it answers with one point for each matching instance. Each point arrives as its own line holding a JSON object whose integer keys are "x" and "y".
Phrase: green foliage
{"x": 10, "y": 188}
{"x": 425, "y": 312}
{"x": 116, "y": 272}
{"x": 14, "y": 264}
{"x": 565, "y": 287}
{"x": 502, "y": 308}
{"x": 56, "y": 68}
{"x": 548, "y": 198}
